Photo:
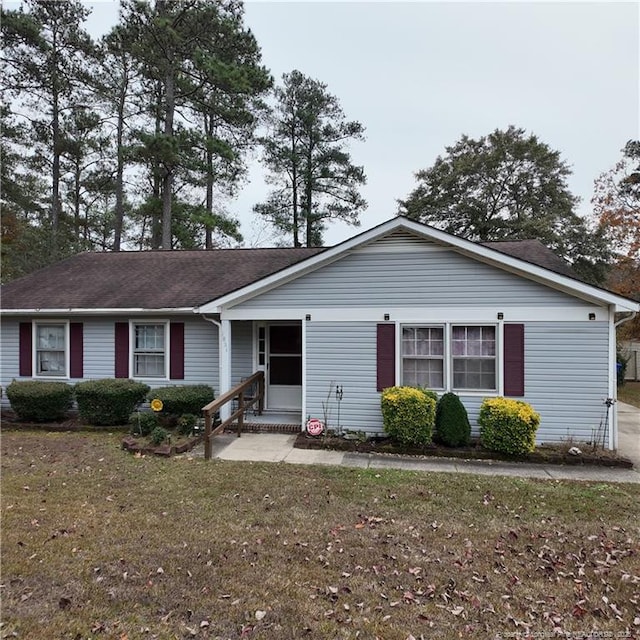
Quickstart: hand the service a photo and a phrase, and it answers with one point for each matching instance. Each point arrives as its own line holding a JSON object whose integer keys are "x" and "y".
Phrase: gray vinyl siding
{"x": 432, "y": 277}
{"x": 563, "y": 361}
{"x": 567, "y": 360}
{"x": 345, "y": 355}
{"x": 200, "y": 350}
{"x": 241, "y": 350}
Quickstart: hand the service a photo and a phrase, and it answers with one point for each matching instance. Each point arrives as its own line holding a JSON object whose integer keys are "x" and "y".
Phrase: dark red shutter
{"x": 513, "y": 359}
{"x": 76, "y": 350}
{"x": 386, "y": 356}
{"x": 122, "y": 350}
{"x": 26, "y": 349}
{"x": 176, "y": 354}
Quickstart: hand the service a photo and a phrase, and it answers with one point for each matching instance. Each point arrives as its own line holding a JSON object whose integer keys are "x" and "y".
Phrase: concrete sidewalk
{"x": 277, "y": 447}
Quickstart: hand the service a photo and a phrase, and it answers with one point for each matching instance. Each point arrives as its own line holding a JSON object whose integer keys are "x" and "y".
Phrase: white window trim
{"x": 448, "y": 356}
{"x": 498, "y": 350}
{"x": 132, "y": 347}
{"x": 445, "y": 364}
{"x": 34, "y": 349}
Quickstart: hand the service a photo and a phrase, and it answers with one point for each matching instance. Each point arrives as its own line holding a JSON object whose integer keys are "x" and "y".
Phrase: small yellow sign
{"x": 156, "y": 404}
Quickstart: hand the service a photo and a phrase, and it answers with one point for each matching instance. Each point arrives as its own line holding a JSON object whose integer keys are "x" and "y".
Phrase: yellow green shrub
{"x": 408, "y": 415}
{"x": 508, "y": 426}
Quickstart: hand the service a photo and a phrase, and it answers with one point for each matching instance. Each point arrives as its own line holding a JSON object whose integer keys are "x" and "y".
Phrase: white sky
{"x": 419, "y": 75}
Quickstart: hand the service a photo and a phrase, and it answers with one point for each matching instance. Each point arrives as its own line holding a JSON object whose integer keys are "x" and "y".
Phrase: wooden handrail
{"x": 237, "y": 392}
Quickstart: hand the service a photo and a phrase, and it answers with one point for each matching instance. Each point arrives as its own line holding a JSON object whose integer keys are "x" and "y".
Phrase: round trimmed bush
{"x": 186, "y": 423}
{"x": 452, "y": 422}
{"x": 180, "y": 400}
{"x": 408, "y": 415}
{"x": 110, "y": 401}
{"x": 40, "y": 400}
{"x": 508, "y": 426}
{"x": 159, "y": 435}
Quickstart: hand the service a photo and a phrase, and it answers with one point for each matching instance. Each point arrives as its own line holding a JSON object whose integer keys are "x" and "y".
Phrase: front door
{"x": 284, "y": 366}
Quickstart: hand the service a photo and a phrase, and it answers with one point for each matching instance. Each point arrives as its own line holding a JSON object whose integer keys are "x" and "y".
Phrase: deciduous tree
{"x": 508, "y": 186}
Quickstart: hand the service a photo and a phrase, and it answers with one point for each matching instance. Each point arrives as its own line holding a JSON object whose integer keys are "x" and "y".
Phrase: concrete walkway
{"x": 277, "y": 447}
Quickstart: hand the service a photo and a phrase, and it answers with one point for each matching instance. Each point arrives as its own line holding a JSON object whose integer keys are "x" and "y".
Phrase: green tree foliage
{"x": 508, "y": 186}
{"x": 202, "y": 64}
{"x": 310, "y": 168}
{"x": 46, "y": 57}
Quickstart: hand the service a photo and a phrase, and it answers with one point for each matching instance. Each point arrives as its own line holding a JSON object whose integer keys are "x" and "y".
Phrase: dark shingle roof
{"x": 535, "y": 252}
{"x": 178, "y": 279}
{"x": 145, "y": 279}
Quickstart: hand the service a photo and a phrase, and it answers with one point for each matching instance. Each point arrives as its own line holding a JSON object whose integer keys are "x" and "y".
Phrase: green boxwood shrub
{"x": 159, "y": 435}
{"x": 452, "y": 422}
{"x": 186, "y": 423}
{"x": 110, "y": 401}
{"x": 40, "y": 400}
{"x": 508, "y": 426}
{"x": 408, "y": 415}
{"x": 177, "y": 401}
{"x": 143, "y": 422}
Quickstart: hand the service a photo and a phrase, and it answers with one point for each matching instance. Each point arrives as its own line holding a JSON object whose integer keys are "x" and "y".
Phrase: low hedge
{"x": 110, "y": 401}
{"x": 508, "y": 426}
{"x": 408, "y": 414}
{"x": 452, "y": 421}
{"x": 177, "y": 401}
{"x": 40, "y": 400}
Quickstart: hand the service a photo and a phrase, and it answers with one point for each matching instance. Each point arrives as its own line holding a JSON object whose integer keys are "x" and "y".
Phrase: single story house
{"x": 402, "y": 303}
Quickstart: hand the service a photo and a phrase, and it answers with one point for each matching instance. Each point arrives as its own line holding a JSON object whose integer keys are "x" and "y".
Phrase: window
{"x": 51, "y": 349}
{"x": 149, "y": 355}
{"x": 423, "y": 357}
{"x": 473, "y": 354}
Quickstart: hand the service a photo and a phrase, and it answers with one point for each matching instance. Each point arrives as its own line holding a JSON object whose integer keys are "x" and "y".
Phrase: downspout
{"x": 225, "y": 411}
{"x": 626, "y": 319}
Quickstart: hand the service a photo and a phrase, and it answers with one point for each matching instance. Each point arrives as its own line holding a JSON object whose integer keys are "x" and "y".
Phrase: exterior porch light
{"x": 386, "y": 316}
{"x": 592, "y": 316}
{"x": 307, "y": 317}
{"x": 500, "y": 315}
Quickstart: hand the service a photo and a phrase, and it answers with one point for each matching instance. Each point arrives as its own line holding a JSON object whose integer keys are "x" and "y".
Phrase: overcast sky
{"x": 419, "y": 75}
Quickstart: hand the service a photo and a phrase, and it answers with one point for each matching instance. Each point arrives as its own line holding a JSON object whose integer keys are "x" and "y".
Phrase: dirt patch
{"x": 547, "y": 454}
{"x": 142, "y": 446}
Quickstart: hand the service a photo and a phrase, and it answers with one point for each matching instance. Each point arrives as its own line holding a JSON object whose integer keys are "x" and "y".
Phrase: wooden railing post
{"x": 241, "y": 416}
{"x": 207, "y": 435}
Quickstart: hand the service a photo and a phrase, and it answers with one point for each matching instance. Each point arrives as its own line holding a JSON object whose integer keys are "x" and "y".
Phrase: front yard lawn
{"x": 97, "y": 543}
{"x": 629, "y": 392}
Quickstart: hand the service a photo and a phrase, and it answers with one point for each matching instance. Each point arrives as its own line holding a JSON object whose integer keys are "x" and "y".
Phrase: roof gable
{"x": 555, "y": 273}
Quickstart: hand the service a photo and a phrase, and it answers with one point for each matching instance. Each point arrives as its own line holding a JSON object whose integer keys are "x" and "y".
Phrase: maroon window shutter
{"x": 76, "y": 350}
{"x": 386, "y": 356}
{"x": 26, "y": 349}
{"x": 513, "y": 359}
{"x": 176, "y": 355}
{"x": 122, "y": 350}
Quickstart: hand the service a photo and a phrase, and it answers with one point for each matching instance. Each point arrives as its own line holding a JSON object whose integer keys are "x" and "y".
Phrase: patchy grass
{"x": 629, "y": 392}
{"x": 98, "y": 543}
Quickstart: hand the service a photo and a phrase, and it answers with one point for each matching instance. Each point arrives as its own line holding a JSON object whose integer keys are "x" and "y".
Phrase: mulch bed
{"x": 542, "y": 455}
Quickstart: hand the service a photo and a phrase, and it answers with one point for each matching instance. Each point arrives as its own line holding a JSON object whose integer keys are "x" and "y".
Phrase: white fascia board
{"x": 424, "y": 315}
{"x": 466, "y": 247}
{"x": 96, "y": 312}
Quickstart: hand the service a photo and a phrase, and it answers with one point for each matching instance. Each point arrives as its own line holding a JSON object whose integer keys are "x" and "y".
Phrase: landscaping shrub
{"x": 40, "y": 400}
{"x": 452, "y": 422}
{"x": 408, "y": 415}
{"x": 186, "y": 399}
{"x": 143, "y": 422}
{"x": 159, "y": 435}
{"x": 508, "y": 426}
{"x": 621, "y": 368}
{"x": 186, "y": 423}
{"x": 109, "y": 402}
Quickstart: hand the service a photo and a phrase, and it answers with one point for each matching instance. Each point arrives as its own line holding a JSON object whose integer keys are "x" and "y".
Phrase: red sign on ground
{"x": 314, "y": 427}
